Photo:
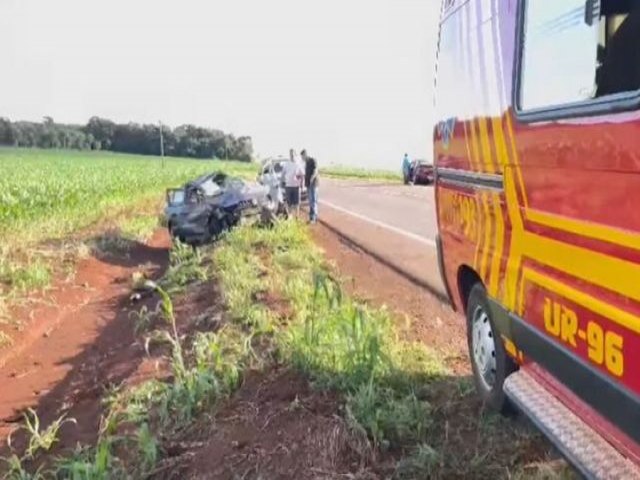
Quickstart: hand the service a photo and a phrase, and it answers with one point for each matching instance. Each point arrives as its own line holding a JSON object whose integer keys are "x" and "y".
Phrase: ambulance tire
{"x": 490, "y": 363}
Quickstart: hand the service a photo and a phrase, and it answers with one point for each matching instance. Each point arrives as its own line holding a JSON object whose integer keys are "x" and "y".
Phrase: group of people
{"x": 299, "y": 171}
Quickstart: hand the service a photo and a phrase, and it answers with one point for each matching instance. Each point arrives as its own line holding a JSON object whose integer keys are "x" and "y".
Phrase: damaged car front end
{"x": 204, "y": 208}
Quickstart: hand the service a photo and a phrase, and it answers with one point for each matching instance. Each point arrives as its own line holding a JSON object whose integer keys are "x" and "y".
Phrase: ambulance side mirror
{"x": 591, "y": 12}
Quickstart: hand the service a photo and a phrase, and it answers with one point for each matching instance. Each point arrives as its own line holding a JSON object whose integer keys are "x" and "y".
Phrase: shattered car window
{"x": 210, "y": 188}
{"x": 176, "y": 197}
{"x": 234, "y": 183}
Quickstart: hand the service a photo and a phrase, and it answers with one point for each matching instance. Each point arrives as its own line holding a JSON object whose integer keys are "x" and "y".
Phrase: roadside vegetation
{"x": 58, "y": 206}
{"x": 405, "y": 415}
{"x": 48, "y": 194}
{"x": 50, "y": 199}
{"x": 361, "y": 173}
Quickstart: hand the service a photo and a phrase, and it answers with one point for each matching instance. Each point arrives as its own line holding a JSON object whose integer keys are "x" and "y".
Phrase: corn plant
{"x": 143, "y": 318}
{"x": 191, "y": 388}
{"x": 41, "y": 439}
{"x": 16, "y": 471}
{"x": 91, "y": 464}
{"x": 45, "y": 194}
{"x": 185, "y": 267}
{"x": 147, "y": 447}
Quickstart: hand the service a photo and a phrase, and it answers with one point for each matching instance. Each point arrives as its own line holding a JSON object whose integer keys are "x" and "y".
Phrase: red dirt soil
{"x": 79, "y": 345}
{"x": 275, "y": 427}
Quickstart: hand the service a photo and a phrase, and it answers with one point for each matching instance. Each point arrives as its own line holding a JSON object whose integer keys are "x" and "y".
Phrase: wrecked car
{"x": 206, "y": 207}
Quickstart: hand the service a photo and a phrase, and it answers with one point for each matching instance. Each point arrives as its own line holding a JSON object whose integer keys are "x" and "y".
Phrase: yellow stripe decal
{"x": 487, "y": 237}
{"x": 466, "y": 142}
{"x": 516, "y": 161}
{"x": 486, "y": 146}
{"x": 475, "y": 148}
{"x": 585, "y": 229}
{"x": 622, "y": 318}
{"x": 502, "y": 160}
{"x": 596, "y": 268}
{"x": 515, "y": 246}
{"x": 477, "y": 213}
{"x": 499, "y": 245}
{"x": 479, "y": 216}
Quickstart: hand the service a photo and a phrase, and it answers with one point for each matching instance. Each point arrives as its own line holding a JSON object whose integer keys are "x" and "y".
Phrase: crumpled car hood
{"x": 249, "y": 192}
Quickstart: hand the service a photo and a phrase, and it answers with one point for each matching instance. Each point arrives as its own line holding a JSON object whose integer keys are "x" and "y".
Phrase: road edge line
{"x": 387, "y": 263}
{"x": 399, "y": 231}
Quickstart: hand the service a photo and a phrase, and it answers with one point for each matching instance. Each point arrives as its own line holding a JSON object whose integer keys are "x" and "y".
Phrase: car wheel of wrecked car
{"x": 216, "y": 225}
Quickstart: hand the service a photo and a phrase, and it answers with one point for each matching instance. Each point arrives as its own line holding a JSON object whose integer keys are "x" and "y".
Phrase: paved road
{"x": 394, "y": 222}
{"x": 408, "y": 209}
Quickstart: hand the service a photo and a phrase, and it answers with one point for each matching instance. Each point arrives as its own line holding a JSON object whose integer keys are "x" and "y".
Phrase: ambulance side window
{"x": 577, "y": 51}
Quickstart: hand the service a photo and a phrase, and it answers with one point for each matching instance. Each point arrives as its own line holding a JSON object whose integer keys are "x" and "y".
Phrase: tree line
{"x": 103, "y": 134}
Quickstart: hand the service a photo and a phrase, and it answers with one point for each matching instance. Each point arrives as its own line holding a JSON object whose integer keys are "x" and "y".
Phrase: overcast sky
{"x": 350, "y": 80}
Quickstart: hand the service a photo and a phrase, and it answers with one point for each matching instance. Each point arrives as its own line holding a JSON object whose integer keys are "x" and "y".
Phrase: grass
{"x": 122, "y": 238}
{"x": 202, "y": 373}
{"x": 31, "y": 274}
{"x": 360, "y": 173}
{"x": 418, "y": 419}
{"x": 338, "y": 343}
{"x": 397, "y": 394}
{"x": 38, "y": 440}
{"x": 48, "y": 195}
{"x": 139, "y": 228}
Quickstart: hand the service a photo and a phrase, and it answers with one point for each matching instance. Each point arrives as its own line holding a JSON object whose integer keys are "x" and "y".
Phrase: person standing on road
{"x": 406, "y": 169}
{"x": 311, "y": 182}
{"x": 293, "y": 175}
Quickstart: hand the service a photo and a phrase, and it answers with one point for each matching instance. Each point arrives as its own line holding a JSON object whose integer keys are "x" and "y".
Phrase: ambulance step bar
{"x": 582, "y": 446}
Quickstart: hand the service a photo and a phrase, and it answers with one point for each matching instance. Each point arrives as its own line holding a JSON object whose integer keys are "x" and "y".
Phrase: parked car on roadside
{"x": 271, "y": 173}
{"x": 271, "y": 170}
{"x": 422, "y": 173}
{"x": 206, "y": 207}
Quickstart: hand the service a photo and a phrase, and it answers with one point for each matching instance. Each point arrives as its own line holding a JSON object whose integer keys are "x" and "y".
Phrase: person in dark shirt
{"x": 311, "y": 182}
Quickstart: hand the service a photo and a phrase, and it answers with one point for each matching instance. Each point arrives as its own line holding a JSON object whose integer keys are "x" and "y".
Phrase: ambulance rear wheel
{"x": 490, "y": 363}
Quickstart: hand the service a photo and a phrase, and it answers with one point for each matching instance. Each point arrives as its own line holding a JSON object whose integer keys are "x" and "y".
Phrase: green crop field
{"x": 361, "y": 173}
{"x": 48, "y": 194}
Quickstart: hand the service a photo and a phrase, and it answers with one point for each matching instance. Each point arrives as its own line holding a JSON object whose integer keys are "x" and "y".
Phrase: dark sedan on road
{"x": 423, "y": 173}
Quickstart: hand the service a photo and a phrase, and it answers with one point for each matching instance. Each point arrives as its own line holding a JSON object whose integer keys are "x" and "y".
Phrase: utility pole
{"x": 161, "y": 143}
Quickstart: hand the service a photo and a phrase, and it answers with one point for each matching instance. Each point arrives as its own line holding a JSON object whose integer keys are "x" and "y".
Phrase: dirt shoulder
{"x": 277, "y": 361}
{"x": 414, "y": 260}
{"x": 284, "y": 424}
{"x": 78, "y": 344}
{"x": 422, "y": 316}
{"x": 276, "y": 426}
